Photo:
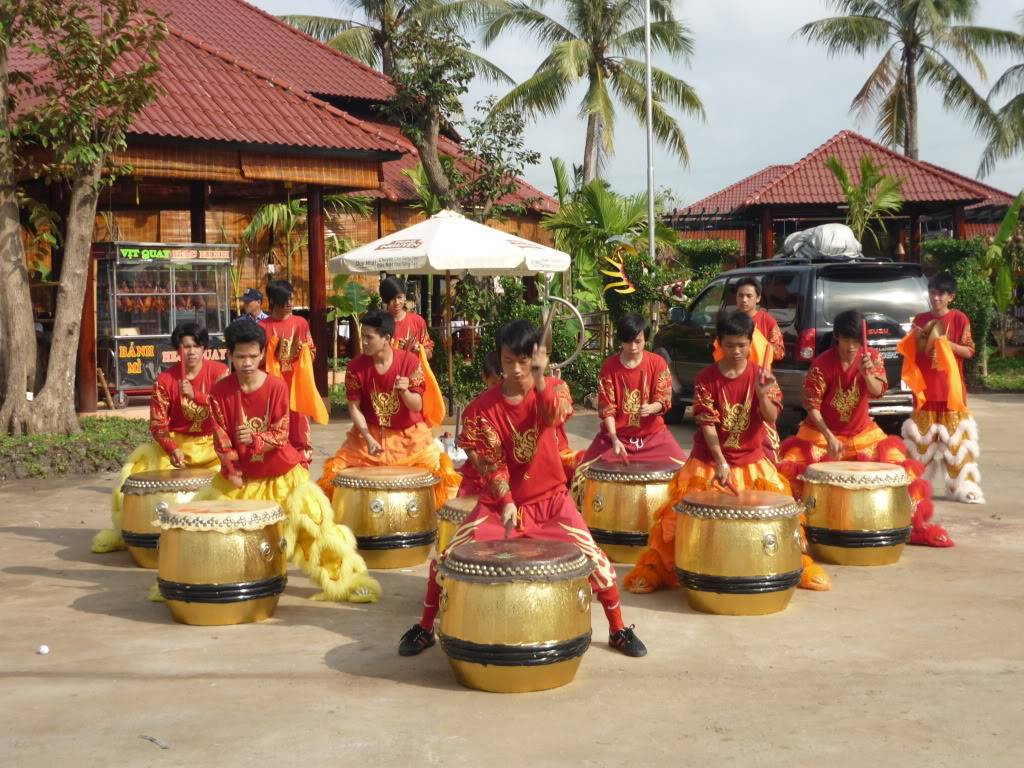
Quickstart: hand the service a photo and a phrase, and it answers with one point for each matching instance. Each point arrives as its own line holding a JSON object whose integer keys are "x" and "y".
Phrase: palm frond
{"x": 848, "y": 34}
{"x": 519, "y": 14}
{"x": 322, "y": 28}
{"x": 877, "y": 86}
{"x": 667, "y": 87}
{"x": 672, "y": 37}
{"x": 486, "y": 69}
{"x": 892, "y": 115}
{"x": 597, "y": 101}
{"x": 1011, "y": 80}
{"x": 958, "y": 95}
{"x": 542, "y": 94}
{"x": 353, "y": 205}
{"x": 563, "y": 186}
{"x": 1008, "y": 140}
{"x": 358, "y": 43}
{"x": 633, "y": 94}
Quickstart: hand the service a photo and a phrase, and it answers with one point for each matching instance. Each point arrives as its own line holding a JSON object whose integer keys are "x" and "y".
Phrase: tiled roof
{"x": 992, "y": 195}
{"x": 808, "y": 181}
{"x": 732, "y": 197}
{"x": 263, "y": 41}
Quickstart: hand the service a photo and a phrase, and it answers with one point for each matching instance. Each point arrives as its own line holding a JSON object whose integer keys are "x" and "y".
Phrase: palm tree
{"x": 1007, "y": 138}
{"x": 920, "y": 40}
{"x": 594, "y": 47}
{"x": 874, "y": 196}
{"x": 371, "y": 37}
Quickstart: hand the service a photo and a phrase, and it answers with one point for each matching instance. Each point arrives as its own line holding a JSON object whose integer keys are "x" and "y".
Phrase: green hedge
{"x": 947, "y": 254}
{"x": 706, "y": 259}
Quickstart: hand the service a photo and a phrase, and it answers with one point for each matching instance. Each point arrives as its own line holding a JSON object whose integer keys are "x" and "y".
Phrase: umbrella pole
{"x": 451, "y": 344}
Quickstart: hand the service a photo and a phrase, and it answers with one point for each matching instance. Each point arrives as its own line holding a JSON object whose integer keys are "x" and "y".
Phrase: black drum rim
{"x": 619, "y": 538}
{"x": 396, "y": 541}
{"x": 140, "y": 540}
{"x": 500, "y": 655}
{"x": 832, "y": 537}
{"x": 739, "y": 585}
{"x": 221, "y": 594}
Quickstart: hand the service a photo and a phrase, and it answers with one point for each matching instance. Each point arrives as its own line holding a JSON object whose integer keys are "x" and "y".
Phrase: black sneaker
{"x": 627, "y": 643}
{"x": 417, "y": 640}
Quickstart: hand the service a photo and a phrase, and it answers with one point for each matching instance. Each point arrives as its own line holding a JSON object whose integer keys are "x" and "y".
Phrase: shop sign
{"x": 139, "y": 362}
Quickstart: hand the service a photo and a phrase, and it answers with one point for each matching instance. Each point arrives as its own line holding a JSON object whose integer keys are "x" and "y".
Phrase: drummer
{"x": 836, "y": 392}
{"x": 410, "y": 329}
{"x": 258, "y": 461}
{"x": 384, "y": 387}
{"x": 634, "y": 392}
{"x": 509, "y": 434}
{"x": 179, "y": 421}
{"x": 733, "y": 400}
{"x": 471, "y": 484}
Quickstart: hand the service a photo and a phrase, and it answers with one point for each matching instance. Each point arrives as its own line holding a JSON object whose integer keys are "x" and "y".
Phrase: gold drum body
{"x": 143, "y": 494}
{"x": 858, "y": 512}
{"x": 738, "y": 554}
{"x": 619, "y": 501}
{"x": 515, "y": 614}
{"x": 450, "y": 518}
{"x": 222, "y": 562}
{"x": 391, "y": 512}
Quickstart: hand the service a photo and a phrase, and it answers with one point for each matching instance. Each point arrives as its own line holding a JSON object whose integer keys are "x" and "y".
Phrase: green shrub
{"x": 947, "y": 254}
{"x": 974, "y": 299}
{"x": 706, "y": 259}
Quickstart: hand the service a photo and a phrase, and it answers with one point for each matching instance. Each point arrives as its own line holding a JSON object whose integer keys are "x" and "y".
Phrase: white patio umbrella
{"x": 449, "y": 243}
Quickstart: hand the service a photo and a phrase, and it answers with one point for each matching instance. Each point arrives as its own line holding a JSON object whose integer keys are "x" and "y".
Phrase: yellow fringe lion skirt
{"x": 199, "y": 454}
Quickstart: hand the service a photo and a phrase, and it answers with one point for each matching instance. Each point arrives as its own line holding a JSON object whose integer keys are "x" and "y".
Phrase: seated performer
{"x": 733, "y": 401}
{"x": 941, "y": 432}
{"x": 257, "y": 461}
{"x": 410, "y": 329}
{"x": 634, "y": 391}
{"x": 509, "y": 434}
{"x": 471, "y": 484}
{"x": 179, "y": 420}
{"x": 288, "y": 341}
{"x": 384, "y": 387}
{"x": 836, "y": 392}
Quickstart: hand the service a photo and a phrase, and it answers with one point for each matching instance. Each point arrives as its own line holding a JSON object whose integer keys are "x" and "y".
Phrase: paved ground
{"x": 917, "y": 664}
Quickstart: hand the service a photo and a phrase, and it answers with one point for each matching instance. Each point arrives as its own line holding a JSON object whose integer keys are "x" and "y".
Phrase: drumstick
{"x": 864, "y": 336}
{"x": 181, "y": 360}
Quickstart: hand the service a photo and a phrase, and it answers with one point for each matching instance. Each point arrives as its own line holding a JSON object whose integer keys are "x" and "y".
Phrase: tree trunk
{"x": 19, "y": 341}
{"x": 437, "y": 179}
{"x": 54, "y": 408}
{"x": 591, "y": 149}
{"x": 910, "y": 127}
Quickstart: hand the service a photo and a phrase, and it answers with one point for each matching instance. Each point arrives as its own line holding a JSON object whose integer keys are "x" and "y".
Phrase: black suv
{"x": 803, "y": 295}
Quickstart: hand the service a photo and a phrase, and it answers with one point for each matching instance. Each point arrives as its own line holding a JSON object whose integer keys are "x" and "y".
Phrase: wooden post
{"x": 318, "y": 285}
{"x": 767, "y": 234}
{"x": 959, "y": 223}
{"x": 449, "y": 340}
{"x": 915, "y": 239}
{"x": 87, "y": 393}
{"x": 749, "y": 246}
{"x": 198, "y": 202}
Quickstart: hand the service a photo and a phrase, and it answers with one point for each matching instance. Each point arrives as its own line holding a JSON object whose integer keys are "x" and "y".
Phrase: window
{"x": 781, "y": 294}
{"x": 706, "y": 307}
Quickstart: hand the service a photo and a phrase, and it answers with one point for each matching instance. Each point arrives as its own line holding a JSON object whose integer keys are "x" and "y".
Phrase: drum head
{"x": 517, "y": 559}
{"x": 744, "y": 505}
{"x": 168, "y": 481}
{"x": 384, "y": 478}
{"x": 856, "y": 474}
{"x": 221, "y": 515}
{"x": 633, "y": 472}
{"x": 456, "y": 510}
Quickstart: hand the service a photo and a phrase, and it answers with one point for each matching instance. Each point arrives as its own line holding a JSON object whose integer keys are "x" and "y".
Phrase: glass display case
{"x": 143, "y": 290}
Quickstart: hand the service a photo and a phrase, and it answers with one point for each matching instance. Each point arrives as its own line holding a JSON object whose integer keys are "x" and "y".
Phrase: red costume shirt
{"x": 766, "y": 323}
{"x": 621, "y": 391}
{"x": 957, "y": 328}
{"x": 516, "y": 446}
{"x": 412, "y": 326}
{"x": 841, "y": 396}
{"x": 376, "y": 394}
{"x": 266, "y": 413}
{"x": 291, "y": 332}
{"x": 170, "y": 411}
{"x": 731, "y": 407}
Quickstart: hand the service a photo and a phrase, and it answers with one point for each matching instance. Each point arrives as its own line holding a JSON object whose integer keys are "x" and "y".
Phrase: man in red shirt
{"x": 179, "y": 421}
{"x": 384, "y": 387}
{"x": 509, "y": 434}
{"x": 734, "y": 399}
{"x": 941, "y": 432}
{"x": 287, "y": 335}
{"x": 410, "y": 329}
{"x": 836, "y": 392}
{"x": 634, "y": 391}
{"x": 257, "y": 461}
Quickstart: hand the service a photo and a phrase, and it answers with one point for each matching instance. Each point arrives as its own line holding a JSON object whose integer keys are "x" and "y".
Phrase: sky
{"x": 769, "y": 97}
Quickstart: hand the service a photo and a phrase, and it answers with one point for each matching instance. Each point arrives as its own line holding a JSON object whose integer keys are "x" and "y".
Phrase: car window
{"x": 781, "y": 294}
{"x": 706, "y": 307}
{"x": 895, "y": 294}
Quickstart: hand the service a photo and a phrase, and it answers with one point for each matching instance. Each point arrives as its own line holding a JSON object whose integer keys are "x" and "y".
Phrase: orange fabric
{"x": 760, "y": 350}
{"x": 944, "y": 360}
{"x": 304, "y": 397}
{"x": 433, "y": 400}
{"x": 656, "y": 567}
{"x": 411, "y": 447}
{"x": 912, "y": 374}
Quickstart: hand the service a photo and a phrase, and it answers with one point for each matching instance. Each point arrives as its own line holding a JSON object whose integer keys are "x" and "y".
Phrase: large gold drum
{"x": 391, "y": 512}
{"x": 515, "y": 614}
{"x": 738, "y": 554}
{"x": 858, "y": 512}
{"x": 223, "y": 561}
{"x": 450, "y": 518}
{"x": 143, "y": 493}
{"x": 619, "y": 501}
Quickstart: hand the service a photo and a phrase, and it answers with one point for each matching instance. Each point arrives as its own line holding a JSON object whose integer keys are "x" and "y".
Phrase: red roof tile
{"x": 808, "y": 181}
{"x": 264, "y": 41}
{"x": 732, "y": 197}
{"x": 992, "y": 195}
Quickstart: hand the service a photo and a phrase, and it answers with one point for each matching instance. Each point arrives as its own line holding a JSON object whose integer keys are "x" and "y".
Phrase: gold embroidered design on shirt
{"x": 845, "y": 400}
{"x": 735, "y": 420}
{"x": 524, "y": 444}
{"x": 385, "y": 405}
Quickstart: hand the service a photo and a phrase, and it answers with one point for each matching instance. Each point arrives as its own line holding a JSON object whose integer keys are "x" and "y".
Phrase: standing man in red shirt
{"x": 410, "y": 329}
{"x": 257, "y": 461}
{"x": 941, "y": 432}
{"x": 838, "y": 387}
{"x": 509, "y": 434}
{"x": 288, "y": 338}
